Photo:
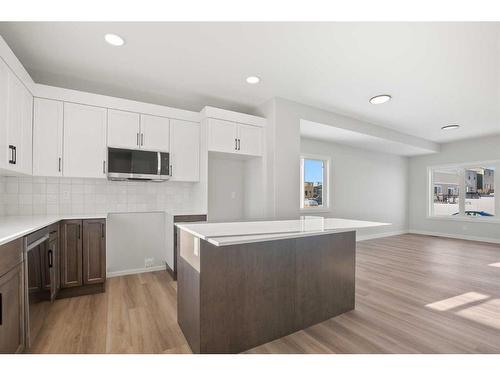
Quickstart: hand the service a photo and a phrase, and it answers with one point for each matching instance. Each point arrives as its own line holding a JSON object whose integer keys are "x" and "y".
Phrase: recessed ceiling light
{"x": 114, "y": 40}
{"x": 253, "y": 80}
{"x": 380, "y": 99}
{"x": 450, "y": 127}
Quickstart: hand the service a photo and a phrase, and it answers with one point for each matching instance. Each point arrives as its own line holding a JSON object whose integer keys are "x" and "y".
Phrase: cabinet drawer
{"x": 11, "y": 254}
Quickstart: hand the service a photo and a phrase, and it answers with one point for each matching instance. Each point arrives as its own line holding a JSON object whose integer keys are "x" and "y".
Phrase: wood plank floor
{"x": 414, "y": 294}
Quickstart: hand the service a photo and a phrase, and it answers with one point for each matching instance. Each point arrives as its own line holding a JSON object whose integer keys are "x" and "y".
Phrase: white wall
{"x": 475, "y": 150}
{"x": 131, "y": 239}
{"x": 226, "y": 188}
{"x": 284, "y": 148}
{"x": 364, "y": 185}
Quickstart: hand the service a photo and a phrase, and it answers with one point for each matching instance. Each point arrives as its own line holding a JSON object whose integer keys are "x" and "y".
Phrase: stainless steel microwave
{"x": 138, "y": 165}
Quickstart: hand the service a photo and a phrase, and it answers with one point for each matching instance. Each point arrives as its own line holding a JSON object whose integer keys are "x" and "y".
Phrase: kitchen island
{"x": 243, "y": 284}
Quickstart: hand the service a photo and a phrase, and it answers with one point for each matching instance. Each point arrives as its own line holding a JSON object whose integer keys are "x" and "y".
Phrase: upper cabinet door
{"x": 16, "y": 120}
{"x": 123, "y": 129}
{"x": 47, "y": 137}
{"x": 17, "y": 109}
{"x": 155, "y": 133}
{"x": 84, "y": 141}
{"x": 27, "y": 132}
{"x": 185, "y": 150}
{"x": 222, "y": 136}
{"x": 4, "y": 100}
{"x": 249, "y": 140}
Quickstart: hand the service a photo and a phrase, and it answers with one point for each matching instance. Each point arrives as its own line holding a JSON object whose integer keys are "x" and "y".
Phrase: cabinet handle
{"x": 239, "y": 144}
{"x": 15, "y": 155}
{"x": 102, "y": 230}
{"x": 79, "y": 228}
{"x": 49, "y": 254}
{"x": 59, "y": 164}
{"x": 142, "y": 139}
{"x": 104, "y": 166}
{"x": 137, "y": 139}
{"x": 1, "y": 310}
{"x": 236, "y": 144}
{"x": 171, "y": 170}
{"x": 12, "y": 150}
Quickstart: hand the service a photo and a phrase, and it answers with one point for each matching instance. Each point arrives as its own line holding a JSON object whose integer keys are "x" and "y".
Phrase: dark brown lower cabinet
{"x": 83, "y": 256}
{"x": 71, "y": 253}
{"x": 11, "y": 297}
{"x": 94, "y": 251}
{"x": 52, "y": 260}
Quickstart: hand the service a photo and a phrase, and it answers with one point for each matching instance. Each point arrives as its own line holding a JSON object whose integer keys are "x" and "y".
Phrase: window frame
{"x": 326, "y": 199}
{"x": 462, "y": 167}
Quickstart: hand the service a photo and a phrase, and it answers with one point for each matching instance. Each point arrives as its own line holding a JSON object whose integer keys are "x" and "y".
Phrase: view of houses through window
{"x": 313, "y": 182}
{"x": 468, "y": 191}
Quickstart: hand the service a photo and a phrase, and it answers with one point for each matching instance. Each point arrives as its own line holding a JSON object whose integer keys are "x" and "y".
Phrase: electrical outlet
{"x": 148, "y": 262}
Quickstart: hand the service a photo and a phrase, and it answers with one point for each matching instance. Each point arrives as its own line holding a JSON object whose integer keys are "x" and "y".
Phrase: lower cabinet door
{"x": 94, "y": 251}
{"x": 52, "y": 258}
{"x": 12, "y": 311}
{"x": 71, "y": 253}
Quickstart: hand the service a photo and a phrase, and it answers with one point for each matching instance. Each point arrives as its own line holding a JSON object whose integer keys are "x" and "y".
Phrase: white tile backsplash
{"x": 53, "y": 195}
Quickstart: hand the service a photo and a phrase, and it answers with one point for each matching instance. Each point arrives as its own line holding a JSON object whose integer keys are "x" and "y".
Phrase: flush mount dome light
{"x": 253, "y": 80}
{"x": 114, "y": 40}
{"x": 450, "y": 127}
{"x": 380, "y": 99}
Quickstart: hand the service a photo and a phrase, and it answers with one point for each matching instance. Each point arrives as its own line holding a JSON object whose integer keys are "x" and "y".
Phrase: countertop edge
{"x": 262, "y": 237}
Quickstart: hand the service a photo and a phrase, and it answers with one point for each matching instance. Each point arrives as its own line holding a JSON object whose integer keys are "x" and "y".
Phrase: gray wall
{"x": 365, "y": 185}
{"x": 474, "y": 150}
{"x": 226, "y": 188}
{"x": 133, "y": 237}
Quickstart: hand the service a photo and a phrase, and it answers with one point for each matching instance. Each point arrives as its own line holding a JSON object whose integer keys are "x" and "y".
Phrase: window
{"x": 463, "y": 191}
{"x": 314, "y": 182}
{"x": 446, "y": 184}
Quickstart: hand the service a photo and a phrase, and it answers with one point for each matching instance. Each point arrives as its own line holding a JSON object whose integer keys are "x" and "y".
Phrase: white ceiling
{"x": 437, "y": 73}
{"x": 323, "y": 132}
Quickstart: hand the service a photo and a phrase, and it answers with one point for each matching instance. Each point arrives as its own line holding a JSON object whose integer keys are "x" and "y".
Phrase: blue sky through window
{"x": 313, "y": 170}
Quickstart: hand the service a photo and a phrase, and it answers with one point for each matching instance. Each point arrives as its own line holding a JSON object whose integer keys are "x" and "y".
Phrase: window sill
{"x": 491, "y": 220}
{"x": 315, "y": 210}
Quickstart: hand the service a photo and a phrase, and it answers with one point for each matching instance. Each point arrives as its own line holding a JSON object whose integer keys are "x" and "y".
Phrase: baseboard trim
{"x": 135, "y": 271}
{"x": 456, "y": 236}
{"x": 380, "y": 235}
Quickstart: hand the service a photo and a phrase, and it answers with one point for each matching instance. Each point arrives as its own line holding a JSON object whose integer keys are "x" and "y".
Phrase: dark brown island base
{"x": 238, "y": 296}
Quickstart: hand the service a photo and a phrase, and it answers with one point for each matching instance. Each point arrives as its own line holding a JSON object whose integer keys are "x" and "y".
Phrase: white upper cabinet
{"x": 231, "y": 137}
{"x": 222, "y": 136}
{"x": 47, "y": 137}
{"x": 84, "y": 141}
{"x": 249, "y": 140}
{"x": 16, "y": 108}
{"x": 123, "y": 129}
{"x": 155, "y": 133}
{"x": 4, "y": 98}
{"x": 185, "y": 150}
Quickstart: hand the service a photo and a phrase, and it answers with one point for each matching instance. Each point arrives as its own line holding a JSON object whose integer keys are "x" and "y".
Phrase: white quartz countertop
{"x": 14, "y": 227}
{"x": 222, "y": 234}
